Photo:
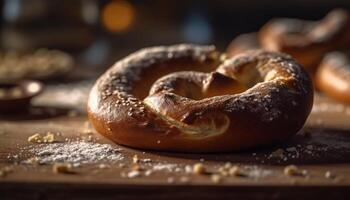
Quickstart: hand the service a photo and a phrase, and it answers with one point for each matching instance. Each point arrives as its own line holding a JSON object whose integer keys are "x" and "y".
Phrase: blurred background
{"x": 97, "y": 33}
{"x": 67, "y": 44}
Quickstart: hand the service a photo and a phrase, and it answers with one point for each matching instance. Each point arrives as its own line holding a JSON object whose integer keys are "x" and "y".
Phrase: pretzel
{"x": 307, "y": 41}
{"x": 242, "y": 43}
{"x": 333, "y": 76}
{"x": 150, "y": 100}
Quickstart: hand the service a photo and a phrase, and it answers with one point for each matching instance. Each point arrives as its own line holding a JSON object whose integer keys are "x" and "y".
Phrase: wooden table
{"x": 326, "y": 132}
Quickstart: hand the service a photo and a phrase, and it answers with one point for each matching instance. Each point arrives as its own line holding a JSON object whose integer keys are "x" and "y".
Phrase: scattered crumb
{"x": 148, "y": 172}
{"x": 133, "y": 174}
{"x": 170, "y": 179}
{"x": 231, "y": 170}
{"x": 215, "y": 178}
{"x": 199, "y": 168}
{"x": 49, "y": 138}
{"x": 103, "y": 166}
{"x": 62, "y": 168}
{"x": 36, "y": 138}
{"x": 184, "y": 179}
{"x": 135, "y": 159}
{"x": 329, "y": 175}
{"x": 236, "y": 171}
{"x": 188, "y": 169}
{"x": 292, "y": 170}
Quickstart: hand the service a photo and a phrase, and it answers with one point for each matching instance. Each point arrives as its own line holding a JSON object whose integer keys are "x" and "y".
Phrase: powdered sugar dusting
{"x": 76, "y": 152}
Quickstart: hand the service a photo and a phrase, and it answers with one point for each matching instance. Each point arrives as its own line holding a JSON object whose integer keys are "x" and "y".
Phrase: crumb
{"x": 49, "y": 137}
{"x": 188, "y": 169}
{"x": 148, "y": 172}
{"x": 170, "y": 179}
{"x": 133, "y": 174}
{"x": 103, "y": 166}
{"x": 329, "y": 175}
{"x": 227, "y": 165}
{"x": 36, "y": 138}
{"x": 135, "y": 159}
{"x": 147, "y": 160}
{"x": 216, "y": 178}
{"x": 199, "y": 168}
{"x": 63, "y": 168}
{"x": 292, "y": 170}
{"x": 184, "y": 179}
{"x": 236, "y": 171}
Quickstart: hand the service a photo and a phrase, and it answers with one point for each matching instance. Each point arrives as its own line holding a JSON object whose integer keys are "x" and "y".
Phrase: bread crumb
{"x": 49, "y": 137}
{"x": 170, "y": 179}
{"x": 135, "y": 159}
{"x": 103, "y": 166}
{"x": 199, "y": 168}
{"x": 215, "y": 178}
{"x": 63, "y": 168}
{"x": 148, "y": 172}
{"x": 292, "y": 170}
{"x": 184, "y": 179}
{"x": 188, "y": 169}
{"x": 236, "y": 171}
{"x": 134, "y": 174}
{"x": 329, "y": 175}
{"x": 36, "y": 138}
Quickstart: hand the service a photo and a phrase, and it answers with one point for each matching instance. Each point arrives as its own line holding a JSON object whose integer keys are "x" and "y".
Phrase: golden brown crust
{"x": 192, "y": 111}
{"x": 333, "y": 76}
{"x": 307, "y": 41}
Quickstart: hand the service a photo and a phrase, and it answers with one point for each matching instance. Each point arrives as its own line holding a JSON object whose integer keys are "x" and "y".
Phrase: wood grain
{"x": 327, "y": 129}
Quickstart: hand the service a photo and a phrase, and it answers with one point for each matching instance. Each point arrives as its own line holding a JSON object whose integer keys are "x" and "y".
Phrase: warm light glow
{"x": 118, "y": 16}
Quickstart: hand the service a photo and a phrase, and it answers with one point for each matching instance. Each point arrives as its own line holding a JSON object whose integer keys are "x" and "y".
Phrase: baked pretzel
{"x": 253, "y": 99}
{"x": 242, "y": 43}
{"x": 333, "y": 76}
{"x": 307, "y": 41}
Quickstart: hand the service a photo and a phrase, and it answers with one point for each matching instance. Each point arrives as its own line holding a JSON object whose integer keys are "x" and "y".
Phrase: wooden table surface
{"x": 323, "y": 145}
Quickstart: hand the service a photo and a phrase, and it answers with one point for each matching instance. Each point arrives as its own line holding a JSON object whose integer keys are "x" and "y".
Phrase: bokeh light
{"x": 118, "y": 16}
{"x": 197, "y": 29}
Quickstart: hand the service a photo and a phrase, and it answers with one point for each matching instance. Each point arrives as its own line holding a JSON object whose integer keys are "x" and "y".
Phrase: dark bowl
{"x": 16, "y": 97}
